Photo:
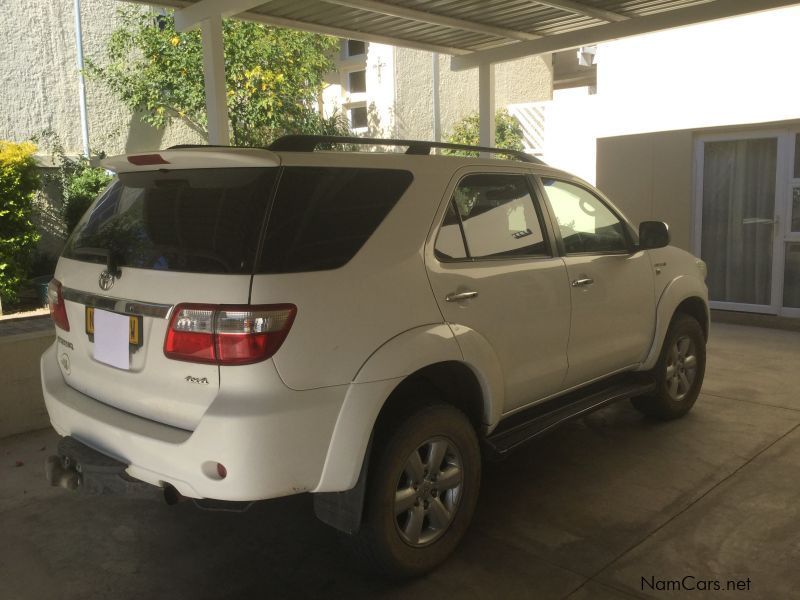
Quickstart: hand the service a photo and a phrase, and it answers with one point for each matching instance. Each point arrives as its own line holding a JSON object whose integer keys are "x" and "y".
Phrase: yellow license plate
{"x": 135, "y": 327}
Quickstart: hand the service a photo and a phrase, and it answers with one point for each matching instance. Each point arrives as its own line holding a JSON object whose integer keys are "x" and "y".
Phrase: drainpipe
{"x": 81, "y": 83}
{"x": 437, "y": 116}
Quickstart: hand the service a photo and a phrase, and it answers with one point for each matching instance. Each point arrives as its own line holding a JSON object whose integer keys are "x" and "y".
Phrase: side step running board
{"x": 539, "y": 419}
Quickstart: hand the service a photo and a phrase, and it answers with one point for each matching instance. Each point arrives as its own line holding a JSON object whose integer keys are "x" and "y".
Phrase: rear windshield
{"x": 210, "y": 220}
{"x": 195, "y": 220}
{"x": 323, "y": 215}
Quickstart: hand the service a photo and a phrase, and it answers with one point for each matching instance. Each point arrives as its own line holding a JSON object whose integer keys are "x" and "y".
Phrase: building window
{"x": 355, "y": 47}
{"x": 358, "y": 82}
{"x": 358, "y": 117}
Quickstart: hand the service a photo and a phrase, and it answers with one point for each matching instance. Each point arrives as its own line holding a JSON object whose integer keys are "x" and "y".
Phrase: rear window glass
{"x": 322, "y": 216}
{"x": 194, "y": 220}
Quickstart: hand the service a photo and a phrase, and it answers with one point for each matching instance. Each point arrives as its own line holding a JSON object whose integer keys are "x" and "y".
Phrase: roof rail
{"x": 308, "y": 143}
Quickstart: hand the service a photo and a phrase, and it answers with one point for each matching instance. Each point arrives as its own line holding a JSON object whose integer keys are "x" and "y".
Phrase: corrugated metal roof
{"x": 463, "y": 27}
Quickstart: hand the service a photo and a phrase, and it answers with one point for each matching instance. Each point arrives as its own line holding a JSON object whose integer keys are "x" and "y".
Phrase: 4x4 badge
{"x": 106, "y": 280}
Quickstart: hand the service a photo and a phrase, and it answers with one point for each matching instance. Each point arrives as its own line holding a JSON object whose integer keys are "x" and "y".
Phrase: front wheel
{"x": 421, "y": 494}
{"x": 679, "y": 371}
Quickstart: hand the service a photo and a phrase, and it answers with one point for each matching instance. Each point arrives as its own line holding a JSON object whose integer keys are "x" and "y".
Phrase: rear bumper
{"x": 272, "y": 445}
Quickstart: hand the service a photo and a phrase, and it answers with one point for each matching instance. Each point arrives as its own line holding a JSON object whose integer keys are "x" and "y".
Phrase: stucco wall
{"x": 39, "y": 84}
{"x": 736, "y": 70}
{"x": 649, "y": 177}
{"x": 526, "y": 80}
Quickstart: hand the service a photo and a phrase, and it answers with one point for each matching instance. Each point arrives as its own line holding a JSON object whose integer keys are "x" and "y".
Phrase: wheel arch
{"x": 341, "y": 505}
{"x": 684, "y": 294}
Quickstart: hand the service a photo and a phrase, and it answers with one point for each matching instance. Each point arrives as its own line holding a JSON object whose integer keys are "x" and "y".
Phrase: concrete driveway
{"x": 603, "y": 508}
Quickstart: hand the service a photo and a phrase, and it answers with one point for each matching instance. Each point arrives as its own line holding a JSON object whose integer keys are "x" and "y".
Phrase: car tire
{"x": 422, "y": 489}
{"x": 679, "y": 371}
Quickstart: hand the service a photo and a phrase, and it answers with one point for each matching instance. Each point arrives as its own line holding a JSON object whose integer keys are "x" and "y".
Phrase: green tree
{"x": 508, "y": 133}
{"x": 19, "y": 182}
{"x": 273, "y": 76}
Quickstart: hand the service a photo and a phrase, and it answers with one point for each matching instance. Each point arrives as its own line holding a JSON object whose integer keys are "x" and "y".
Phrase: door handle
{"x": 460, "y": 296}
{"x": 583, "y": 282}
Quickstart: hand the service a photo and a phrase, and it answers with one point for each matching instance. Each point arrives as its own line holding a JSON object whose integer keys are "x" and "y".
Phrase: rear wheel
{"x": 679, "y": 371}
{"x": 421, "y": 494}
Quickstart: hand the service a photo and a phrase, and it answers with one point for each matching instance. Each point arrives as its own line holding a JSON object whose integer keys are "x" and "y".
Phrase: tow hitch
{"x": 78, "y": 467}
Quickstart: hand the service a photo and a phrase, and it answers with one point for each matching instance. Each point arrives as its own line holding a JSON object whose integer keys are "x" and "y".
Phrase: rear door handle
{"x": 460, "y": 296}
{"x": 583, "y": 282}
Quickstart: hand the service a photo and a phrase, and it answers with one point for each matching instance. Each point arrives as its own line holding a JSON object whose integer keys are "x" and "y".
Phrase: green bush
{"x": 74, "y": 179}
{"x": 508, "y": 133}
{"x": 81, "y": 185}
{"x": 19, "y": 182}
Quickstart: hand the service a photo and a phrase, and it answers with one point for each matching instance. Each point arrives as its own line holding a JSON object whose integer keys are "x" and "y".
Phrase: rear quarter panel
{"x": 344, "y": 315}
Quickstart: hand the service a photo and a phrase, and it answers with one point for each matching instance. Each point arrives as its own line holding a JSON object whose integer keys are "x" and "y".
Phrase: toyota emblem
{"x": 106, "y": 280}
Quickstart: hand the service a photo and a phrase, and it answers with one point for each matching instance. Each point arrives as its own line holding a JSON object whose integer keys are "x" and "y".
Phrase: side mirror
{"x": 653, "y": 234}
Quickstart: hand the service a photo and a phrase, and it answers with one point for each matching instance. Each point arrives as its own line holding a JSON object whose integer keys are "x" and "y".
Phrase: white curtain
{"x": 738, "y": 213}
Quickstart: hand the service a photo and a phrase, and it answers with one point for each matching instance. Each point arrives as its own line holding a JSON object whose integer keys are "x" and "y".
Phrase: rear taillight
{"x": 55, "y": 300}
{"x": 227, "y": 334}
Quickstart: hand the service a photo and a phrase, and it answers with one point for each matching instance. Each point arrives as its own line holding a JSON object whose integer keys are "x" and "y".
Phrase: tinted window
{"x": 323, "y": 215}
{"x": 498, "y": 216}
{"x": 586, "y": 224}
{"x": 450, "y": 241}
{"x": 196, "y": 220}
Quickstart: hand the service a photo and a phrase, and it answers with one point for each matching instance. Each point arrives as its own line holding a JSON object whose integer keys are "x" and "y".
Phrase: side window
{"x": 450, "y": 240}
{"x": 586, "y": 224}
{"x": 498, "y": 216}
{"x": 322, "y": 216}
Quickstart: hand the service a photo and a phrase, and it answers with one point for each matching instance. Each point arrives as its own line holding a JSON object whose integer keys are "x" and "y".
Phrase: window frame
{"x": 544, "y": 222}
{"x": 631, "y": 242}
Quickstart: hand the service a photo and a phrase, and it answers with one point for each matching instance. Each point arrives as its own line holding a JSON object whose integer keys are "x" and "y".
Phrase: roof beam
{"x": 193, "y": 14}
{"x": 349, "y": 33}
{"x": 317, "y": 28}
{"x": 424, "y": 16}
{"x": 582, "y": 9}
{"x": 714, "y": 10}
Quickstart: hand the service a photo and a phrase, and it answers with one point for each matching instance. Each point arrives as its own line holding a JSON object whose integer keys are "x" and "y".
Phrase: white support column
{"x": 214, "y": 73}
{"x": 486, "y": 104}
{"x": 437, "y": 109}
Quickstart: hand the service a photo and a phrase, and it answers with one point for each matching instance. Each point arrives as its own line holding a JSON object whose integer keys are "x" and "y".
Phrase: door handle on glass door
{"x": 582, "y": 282}
{"x": 460, "y": 296}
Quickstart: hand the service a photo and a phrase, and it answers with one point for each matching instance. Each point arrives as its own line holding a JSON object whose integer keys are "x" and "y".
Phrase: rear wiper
{"x": 112, "y": 257}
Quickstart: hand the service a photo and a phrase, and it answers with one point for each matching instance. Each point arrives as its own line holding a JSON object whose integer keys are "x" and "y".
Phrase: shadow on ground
{"x": 585, "y": 512}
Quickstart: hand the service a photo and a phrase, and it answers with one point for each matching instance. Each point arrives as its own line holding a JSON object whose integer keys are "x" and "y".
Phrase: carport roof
{"x": 474, "y": 31}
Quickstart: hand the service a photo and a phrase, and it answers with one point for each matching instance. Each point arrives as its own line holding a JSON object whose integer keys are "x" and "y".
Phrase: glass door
{"x": 791, "y": 235}
{"x": 736, "y": 219}
{"x": 747, "y": 220}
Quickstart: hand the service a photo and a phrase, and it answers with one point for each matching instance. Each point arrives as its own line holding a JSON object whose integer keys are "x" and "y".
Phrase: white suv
{"x": 240, "y": 324}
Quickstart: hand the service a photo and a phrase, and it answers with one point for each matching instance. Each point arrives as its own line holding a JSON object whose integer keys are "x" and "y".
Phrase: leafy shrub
{"x": 81, "y": 185}
{"x": 74, "y": 178}
{"x": 19, "y": 182}
{"x": 508, "y": 133}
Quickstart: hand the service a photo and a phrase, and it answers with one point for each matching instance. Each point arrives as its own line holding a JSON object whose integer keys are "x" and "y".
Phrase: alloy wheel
{"x": 681, "y": 368}
{"x": 428, "y": 492}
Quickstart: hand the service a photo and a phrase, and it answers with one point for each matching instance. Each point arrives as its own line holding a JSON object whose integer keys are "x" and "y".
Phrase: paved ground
{"x": 36, "y": 321}
{"x": 584, "y": 513}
